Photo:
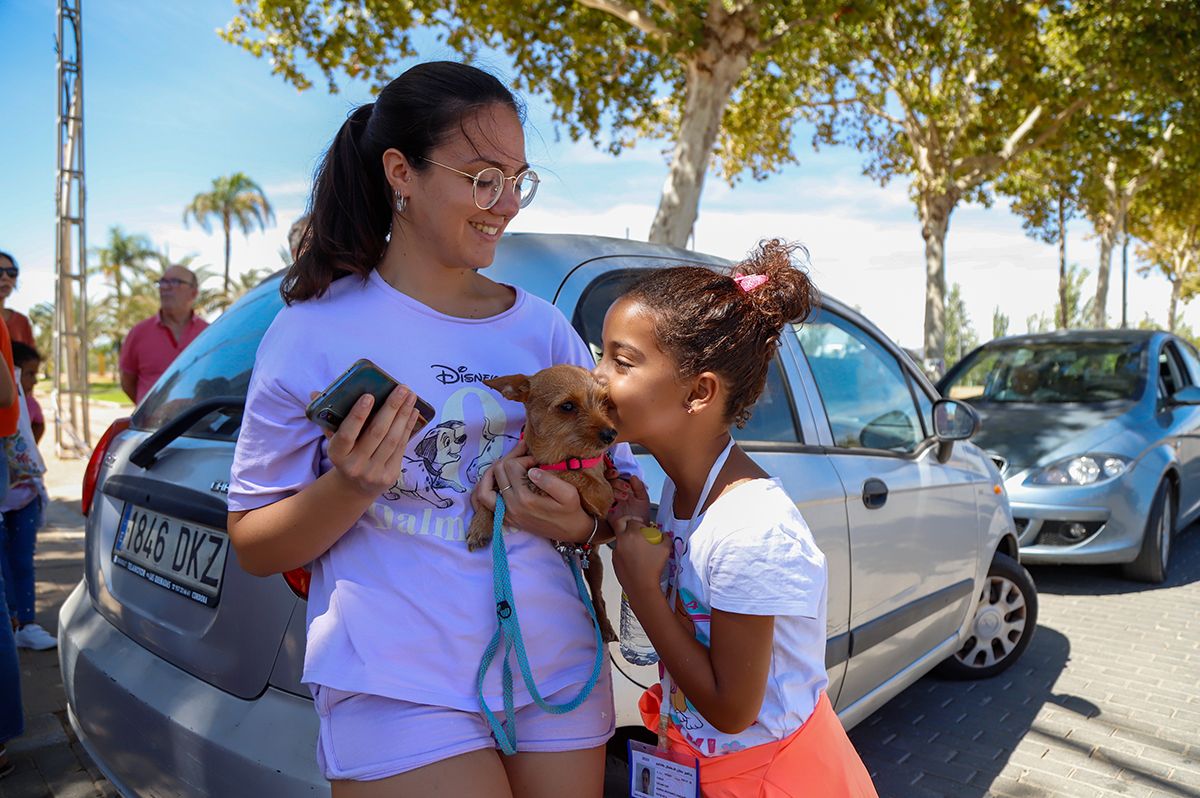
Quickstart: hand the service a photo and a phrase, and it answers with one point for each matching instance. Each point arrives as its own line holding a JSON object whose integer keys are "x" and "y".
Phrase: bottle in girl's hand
{"x": 635, "y": 644}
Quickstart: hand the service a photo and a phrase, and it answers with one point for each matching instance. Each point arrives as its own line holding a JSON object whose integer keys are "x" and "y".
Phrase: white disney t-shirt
{"x": 399, "y": 607}
{"x": 752, "y": 553}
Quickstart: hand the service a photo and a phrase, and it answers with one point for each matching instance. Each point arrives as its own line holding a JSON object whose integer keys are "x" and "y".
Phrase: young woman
{"x": 741, "y": 629}
{"x": 408, "y": 207}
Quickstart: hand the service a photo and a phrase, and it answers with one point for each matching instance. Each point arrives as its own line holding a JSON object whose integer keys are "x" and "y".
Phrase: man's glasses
{"x": 488, "y": 185}
{"x": 171, "y": 282}
{"x": 10, "y": 271}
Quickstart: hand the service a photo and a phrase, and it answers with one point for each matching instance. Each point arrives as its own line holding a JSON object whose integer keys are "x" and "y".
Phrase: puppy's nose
{"x": 608, "y": 435}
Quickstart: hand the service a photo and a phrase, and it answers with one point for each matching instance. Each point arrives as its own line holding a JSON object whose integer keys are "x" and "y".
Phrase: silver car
{"x": 182, "y": 672}
{"x": 1097, "y": 433}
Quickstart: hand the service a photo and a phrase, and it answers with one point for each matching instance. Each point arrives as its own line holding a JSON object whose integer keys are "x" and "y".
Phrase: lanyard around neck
{"x": 694, "y": 520}
{"x": 673, "y": 581}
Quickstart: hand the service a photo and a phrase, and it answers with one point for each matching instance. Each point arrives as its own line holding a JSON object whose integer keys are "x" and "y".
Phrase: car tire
{"x": 1004, "y": 619}
{"x": 1154, "y": 558}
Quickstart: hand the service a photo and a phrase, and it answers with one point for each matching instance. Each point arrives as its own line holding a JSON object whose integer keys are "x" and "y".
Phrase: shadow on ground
{"x": 956, "y": 737}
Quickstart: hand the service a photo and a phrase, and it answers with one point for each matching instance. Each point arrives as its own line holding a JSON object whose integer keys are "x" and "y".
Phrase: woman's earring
{"x": 401, "y": 202}
{"x": 689, "y": 407}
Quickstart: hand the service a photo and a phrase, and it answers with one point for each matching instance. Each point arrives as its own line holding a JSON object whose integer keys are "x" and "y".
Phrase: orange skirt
{"x": 817, "y": 759}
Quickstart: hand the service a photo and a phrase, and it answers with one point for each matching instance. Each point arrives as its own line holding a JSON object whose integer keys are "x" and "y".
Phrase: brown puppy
{"x": 568, "y": 431}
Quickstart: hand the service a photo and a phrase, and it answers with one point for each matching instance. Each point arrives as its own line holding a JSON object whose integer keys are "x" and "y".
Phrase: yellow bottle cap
{"x": 652, "y": 534}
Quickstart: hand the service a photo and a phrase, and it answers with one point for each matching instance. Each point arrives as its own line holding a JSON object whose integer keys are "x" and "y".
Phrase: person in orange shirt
{"x": 12, "y": 718}
{"x": 19, "y": 328}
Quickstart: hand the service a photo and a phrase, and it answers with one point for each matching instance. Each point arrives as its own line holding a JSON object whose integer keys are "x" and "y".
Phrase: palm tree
{"x": 233, "y": 199}
{"x": 124, "y": 258}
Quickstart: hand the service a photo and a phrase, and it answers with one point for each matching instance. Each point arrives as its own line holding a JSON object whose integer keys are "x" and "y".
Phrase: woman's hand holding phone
{"x": 370, "y": 460}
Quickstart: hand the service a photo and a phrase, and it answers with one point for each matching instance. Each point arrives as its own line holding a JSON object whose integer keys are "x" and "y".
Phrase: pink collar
{"x": 570, "y": 464}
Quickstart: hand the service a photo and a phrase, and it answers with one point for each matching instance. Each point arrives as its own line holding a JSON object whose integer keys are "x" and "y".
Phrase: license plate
{"x": 178, "y": 555}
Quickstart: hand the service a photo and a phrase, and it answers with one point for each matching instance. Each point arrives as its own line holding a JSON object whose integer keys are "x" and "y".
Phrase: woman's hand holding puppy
{"x": 552, "y": 511}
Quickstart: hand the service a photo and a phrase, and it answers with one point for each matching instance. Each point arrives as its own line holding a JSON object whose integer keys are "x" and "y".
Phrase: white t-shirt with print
{"x": 752, "y": 553}
{"x": 399, "y": 607}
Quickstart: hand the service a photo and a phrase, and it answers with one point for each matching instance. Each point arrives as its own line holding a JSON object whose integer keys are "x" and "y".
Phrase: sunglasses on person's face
{"x": 10, "y": 271}
{"x": 171, "y": 282}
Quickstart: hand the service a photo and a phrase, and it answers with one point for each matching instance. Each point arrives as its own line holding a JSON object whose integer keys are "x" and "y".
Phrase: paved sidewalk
{"x": 50, "y": 763}
{"x": 1104, "y": 702}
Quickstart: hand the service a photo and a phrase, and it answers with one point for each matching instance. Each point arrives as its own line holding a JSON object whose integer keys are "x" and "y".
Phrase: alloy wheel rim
{"x": 998, "y": 626}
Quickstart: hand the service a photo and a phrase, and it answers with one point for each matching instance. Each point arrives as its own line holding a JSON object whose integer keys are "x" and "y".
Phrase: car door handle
{"x": 875, "y": 493}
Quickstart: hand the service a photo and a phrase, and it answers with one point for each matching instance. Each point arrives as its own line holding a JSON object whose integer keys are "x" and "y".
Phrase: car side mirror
{"x": 952, "y": 421}
{"x": 1186, "y": 396}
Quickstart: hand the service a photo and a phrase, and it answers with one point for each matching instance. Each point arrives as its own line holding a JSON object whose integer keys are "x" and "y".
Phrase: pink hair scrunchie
{"x": 748, "y": 282}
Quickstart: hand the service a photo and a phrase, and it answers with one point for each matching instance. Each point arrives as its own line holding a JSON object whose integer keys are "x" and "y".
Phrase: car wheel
{"x": 1004, "y": 620}
{"x": 1155, "y": 555}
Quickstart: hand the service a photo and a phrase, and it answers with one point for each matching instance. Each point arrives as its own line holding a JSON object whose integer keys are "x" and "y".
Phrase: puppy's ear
{"x": 514, "y": 387}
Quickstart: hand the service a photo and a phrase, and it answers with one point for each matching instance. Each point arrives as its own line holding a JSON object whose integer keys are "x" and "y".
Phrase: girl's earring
{"x": 401, "y": 202}
{"x": 689, "y": 407}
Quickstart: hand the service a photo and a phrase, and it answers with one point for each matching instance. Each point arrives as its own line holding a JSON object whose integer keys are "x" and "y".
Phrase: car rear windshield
{"x": 1052, "y": 372}
{"x": 217, "y": 364}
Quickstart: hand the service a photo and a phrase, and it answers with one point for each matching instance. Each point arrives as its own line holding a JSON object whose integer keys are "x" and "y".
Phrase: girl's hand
{"x": 638, "y": 562}
{"x": 630, "y": 497}
{"x": 554, "y": 513}
{"x": 370, "y": 460}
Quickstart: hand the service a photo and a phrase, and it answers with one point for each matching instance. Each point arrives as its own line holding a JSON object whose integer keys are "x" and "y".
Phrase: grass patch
{"x": 108, "y": 392}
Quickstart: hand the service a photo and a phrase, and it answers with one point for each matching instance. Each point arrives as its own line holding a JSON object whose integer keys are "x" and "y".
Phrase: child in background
{"x": 21, "y": 510}
{"x": 29, "y": 361}
{"x": 741, "y": 639}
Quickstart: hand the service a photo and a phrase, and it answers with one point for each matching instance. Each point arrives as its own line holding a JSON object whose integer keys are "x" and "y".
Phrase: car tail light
{"x": 298, "y": 579}
{"x": 97, "y": 461}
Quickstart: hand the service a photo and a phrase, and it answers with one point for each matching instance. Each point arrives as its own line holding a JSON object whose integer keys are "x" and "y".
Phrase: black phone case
{"x": 330, "y": 409}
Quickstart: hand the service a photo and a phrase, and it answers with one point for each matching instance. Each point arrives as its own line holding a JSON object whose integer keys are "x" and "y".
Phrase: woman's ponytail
{"x": 351, "y": 210}
{"x": 349, "y": 215}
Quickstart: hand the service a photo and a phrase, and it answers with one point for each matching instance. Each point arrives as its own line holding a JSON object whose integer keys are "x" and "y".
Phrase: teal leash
{"x": 509, "y": 629}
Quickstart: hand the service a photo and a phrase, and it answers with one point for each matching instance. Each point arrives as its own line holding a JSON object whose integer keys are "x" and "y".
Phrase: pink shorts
{"x": 366, "y": 737}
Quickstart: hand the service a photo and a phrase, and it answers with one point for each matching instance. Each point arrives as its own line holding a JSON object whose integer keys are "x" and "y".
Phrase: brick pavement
{"x": 1105, "y": 701}
{"x": 49, "y": 760}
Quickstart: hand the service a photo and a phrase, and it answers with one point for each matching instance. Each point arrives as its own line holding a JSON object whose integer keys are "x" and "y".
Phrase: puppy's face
{"x": 567, "y": 412}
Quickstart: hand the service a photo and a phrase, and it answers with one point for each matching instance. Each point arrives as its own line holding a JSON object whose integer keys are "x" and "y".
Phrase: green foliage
{"x": 961, "y": 337}
{"x": 233, "y": 200}
{"x": 721, "y": 79}
{"x": 615, "y": 72}
{"x": 1079, "y": 311}
{"x": 41, "y": 318}
{"x": 999, "y": 323}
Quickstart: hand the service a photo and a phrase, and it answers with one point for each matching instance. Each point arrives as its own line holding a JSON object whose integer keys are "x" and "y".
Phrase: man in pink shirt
{"x": 152, "y": 344}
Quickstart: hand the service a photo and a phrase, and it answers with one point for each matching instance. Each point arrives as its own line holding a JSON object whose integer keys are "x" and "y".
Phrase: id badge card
{"x": 662, "y": 774}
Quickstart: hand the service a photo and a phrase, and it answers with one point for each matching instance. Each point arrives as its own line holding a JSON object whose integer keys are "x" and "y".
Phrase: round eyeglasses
{"x": 488, "y": 185}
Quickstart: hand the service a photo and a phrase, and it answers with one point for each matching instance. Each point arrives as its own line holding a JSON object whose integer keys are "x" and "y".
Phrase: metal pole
{"x": 70, "y": 308}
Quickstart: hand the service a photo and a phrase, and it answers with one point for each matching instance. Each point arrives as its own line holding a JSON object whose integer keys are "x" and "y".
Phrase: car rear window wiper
{"x": 147, "y": 451}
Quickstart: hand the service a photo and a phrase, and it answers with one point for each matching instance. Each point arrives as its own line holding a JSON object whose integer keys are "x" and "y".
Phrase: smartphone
{"x": 330, "y": 409}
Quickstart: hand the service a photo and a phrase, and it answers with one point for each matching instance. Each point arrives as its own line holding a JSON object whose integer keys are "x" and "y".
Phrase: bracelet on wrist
{"x": 581, "y": 550}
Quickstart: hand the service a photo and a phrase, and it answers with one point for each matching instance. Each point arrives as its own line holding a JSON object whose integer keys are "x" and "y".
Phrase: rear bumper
{"x": 154, "y": 729}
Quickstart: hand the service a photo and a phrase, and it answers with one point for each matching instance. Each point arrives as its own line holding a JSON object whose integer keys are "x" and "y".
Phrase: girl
{"x": 408, "y": 206}
{"x": 21, "y": 513}
{"x": 741, "y": 633}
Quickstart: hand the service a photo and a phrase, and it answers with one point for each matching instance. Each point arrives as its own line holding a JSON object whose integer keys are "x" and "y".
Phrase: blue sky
{"x": 169, "y": 106}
